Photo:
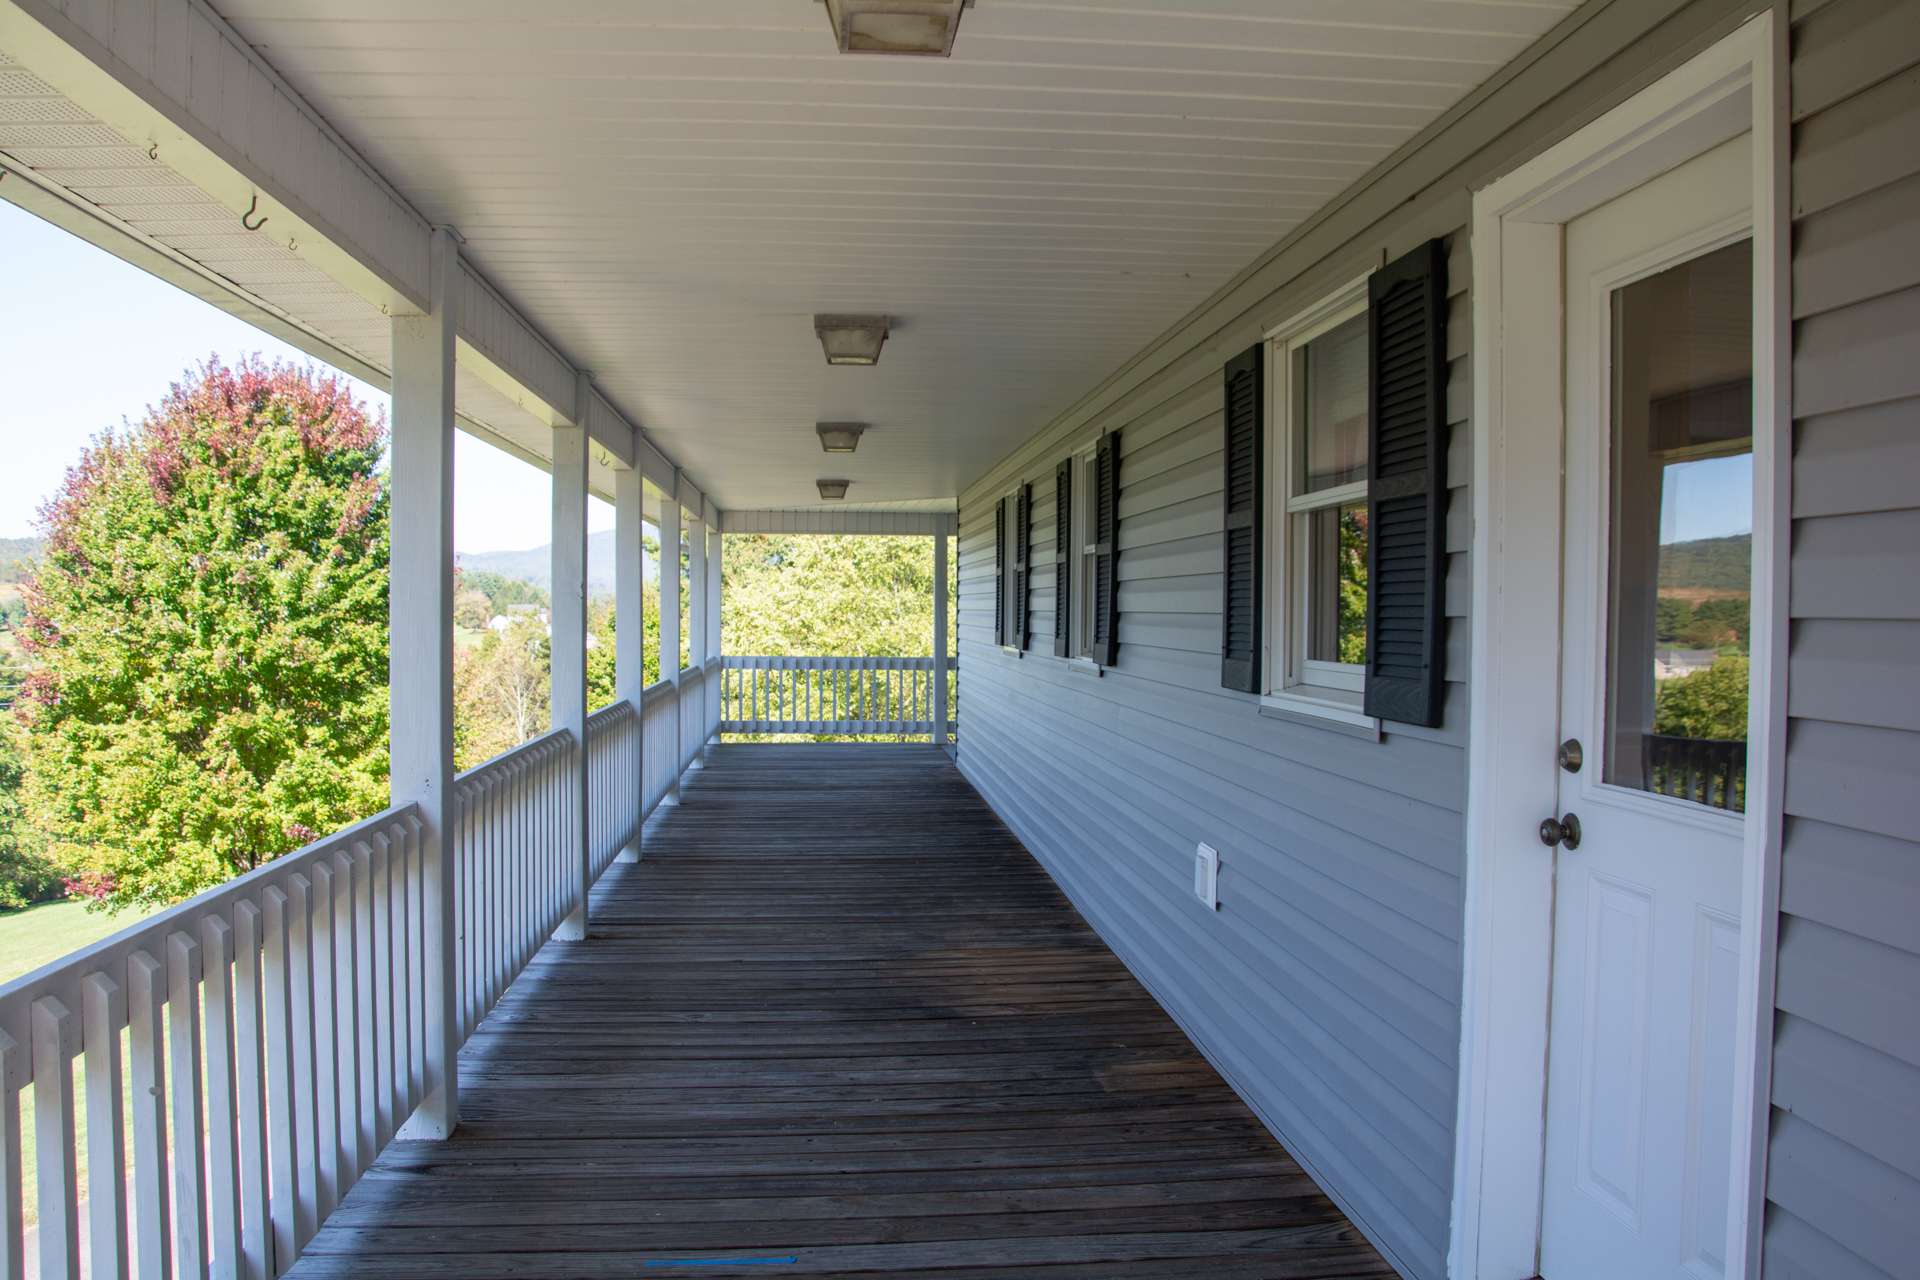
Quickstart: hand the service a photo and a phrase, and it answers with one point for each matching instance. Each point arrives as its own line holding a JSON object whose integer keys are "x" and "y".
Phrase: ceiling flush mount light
{"x": 832, "y": 489}
{"x": 839, "y": 437}
{"x": 922, "y": 28}
{"x": 851, "y": 339}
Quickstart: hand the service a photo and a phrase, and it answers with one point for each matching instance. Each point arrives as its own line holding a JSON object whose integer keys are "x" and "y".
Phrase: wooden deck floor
{"x": 837, "y": 1022}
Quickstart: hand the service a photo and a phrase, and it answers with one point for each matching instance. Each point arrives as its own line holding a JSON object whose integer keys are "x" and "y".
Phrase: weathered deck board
{"x": 837, "y": 1022}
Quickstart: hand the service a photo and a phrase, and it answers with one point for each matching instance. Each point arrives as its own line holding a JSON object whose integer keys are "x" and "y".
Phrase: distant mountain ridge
{"x": 535, "y": 564}
{"x": 1718, "y": 564}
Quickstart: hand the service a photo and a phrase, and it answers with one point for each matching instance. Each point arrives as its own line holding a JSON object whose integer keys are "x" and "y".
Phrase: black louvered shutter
{"x": 1000, "y": 572}
{"x": 1022, "y": 561}
{"x": 1243, "y": 528}
{"x": 1407, "y": 487}
{"x": 1106, "y": 549}
{"x": 1062, "y": 557}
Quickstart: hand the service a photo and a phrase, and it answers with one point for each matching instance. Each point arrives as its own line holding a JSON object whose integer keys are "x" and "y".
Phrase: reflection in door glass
{"x": 1680, "y": 568}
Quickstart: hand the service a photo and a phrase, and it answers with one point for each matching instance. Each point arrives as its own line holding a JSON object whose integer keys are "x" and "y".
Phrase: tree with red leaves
{"x": 207, "y": 633}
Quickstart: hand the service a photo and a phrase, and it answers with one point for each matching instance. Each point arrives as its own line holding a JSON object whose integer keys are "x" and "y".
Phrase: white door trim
{"x": 1499, "y": 1143}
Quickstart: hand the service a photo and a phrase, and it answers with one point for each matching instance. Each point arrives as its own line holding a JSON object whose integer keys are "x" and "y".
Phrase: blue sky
{"x": 87, "y": 341}
{"x": 1709, "y": 498}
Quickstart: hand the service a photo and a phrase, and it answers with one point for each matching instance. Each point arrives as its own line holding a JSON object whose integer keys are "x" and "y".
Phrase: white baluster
{"x": 183, "y": 1033}
{"x": 103, "y": 1011}
{"x": 56, "y": 1039}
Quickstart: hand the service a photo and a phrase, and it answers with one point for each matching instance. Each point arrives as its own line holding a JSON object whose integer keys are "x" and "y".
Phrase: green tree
{"x": 207, "y": 634}
{"x": 601, "y": 655}
{"x": 1353, "y": 584}
{"x": 503, "y": 686}
{"x": 1672, "y": 617}
{"x": 830, "y": 595}
{"x": 25, "y": 875}
{"x": 502, "y": 692}
{"x": 1711, "y": 703}
{"x": 501, "y": 590}
{"x": 850, "y": 595}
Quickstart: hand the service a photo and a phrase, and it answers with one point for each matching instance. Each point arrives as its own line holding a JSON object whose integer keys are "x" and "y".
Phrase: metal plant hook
{"x": 251, "y": 210}
{"x": 153, "y": 152}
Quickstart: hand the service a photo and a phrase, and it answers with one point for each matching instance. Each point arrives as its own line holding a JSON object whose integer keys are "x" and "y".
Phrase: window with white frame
{"x": 1317, "y": 451}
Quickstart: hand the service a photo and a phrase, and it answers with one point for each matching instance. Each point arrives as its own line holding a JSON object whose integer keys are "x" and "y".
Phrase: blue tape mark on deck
{"x": 721, "y": 1262}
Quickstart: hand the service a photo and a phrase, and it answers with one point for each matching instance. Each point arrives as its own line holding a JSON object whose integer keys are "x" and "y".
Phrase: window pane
{"x": 1681, "y": 553}
{"x": 1336, "y": 543}
{"x": 1333, "y": 406}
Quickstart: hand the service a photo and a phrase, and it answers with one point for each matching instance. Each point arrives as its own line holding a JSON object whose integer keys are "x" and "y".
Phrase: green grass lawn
{"x": 39, "y": 934}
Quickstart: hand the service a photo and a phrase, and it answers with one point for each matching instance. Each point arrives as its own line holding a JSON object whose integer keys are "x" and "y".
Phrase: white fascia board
{"x": 655, "y": 466}
{"x": 692, "y": 500}
{"x": 183, "y": 82}
{"x": 867, "y": 522}
{"x": 508, "y": 354}
{"x": 610, "y": 431}
{"x": 48, "y": 201}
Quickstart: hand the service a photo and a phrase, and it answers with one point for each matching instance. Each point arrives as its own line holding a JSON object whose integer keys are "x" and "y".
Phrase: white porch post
{"x": 629, "y": 627}
{"x": 420, "y": 656}
{"x": 670, "y": 621}
{"x": 940, "y": 639}
{"x": 714, "y": 580}
{"x": 697, "y": 593}
{"x": 569, "y": 646}
{"x": 697, "y": 623}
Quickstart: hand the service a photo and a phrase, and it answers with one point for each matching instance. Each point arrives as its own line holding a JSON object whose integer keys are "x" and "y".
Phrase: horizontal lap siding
{"x": 1327, "y": 985}
{"x": 1843, "y": 1180}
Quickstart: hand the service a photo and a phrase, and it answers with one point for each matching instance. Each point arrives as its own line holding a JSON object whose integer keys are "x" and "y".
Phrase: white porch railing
{"x": 274, "y": 1039}
{"x": 240, "y": 1059}
{"x": 660, "y": 763}
{"x": 693, "y": 700}
{"x": 830, "y": 695}
{"x": 510, "y": 887}
{"x": 614, "y": 810}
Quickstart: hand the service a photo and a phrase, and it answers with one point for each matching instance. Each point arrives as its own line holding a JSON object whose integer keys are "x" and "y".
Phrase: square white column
{"x": 420, "y": 657}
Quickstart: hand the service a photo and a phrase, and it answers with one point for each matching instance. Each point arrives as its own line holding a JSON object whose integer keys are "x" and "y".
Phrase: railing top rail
{"x": 831, "y": 662}
{"x": 618, "y": 709}
{"x": 56, "y": 977}
{"x": 658, "y": 689}
{"x": 526, "y": 751}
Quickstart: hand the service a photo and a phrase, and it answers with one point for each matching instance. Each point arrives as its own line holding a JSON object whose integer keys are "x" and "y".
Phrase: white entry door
{"x": 1656, "y": 584}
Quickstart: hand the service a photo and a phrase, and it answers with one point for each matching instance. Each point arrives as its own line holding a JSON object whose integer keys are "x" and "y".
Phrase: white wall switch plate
{"x": 1206, "y": 876}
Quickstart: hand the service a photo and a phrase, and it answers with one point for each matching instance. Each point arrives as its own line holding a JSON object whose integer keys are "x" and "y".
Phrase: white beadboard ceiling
{"x": 672, "y": 188}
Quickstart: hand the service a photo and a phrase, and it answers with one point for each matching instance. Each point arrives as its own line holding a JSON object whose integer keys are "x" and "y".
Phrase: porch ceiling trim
{"x": 100, "y": 228}
{"x": 180, "y": 79}
{"x": 873, "y": 522}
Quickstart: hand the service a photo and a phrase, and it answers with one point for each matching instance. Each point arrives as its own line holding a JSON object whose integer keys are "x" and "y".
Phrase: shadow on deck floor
{"x": 837, "y": 1022}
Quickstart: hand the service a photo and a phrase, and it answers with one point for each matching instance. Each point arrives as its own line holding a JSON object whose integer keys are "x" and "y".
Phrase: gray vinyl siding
{"x": 1843, "y": 1182}
{"x": 1327, "y": 986}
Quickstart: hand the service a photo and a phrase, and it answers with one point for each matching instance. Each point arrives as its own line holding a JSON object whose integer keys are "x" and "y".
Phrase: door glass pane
{"x": 1337, "y": 583}
{"x": 1333, "y": 406}
{"x": 1681, "y": 530}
